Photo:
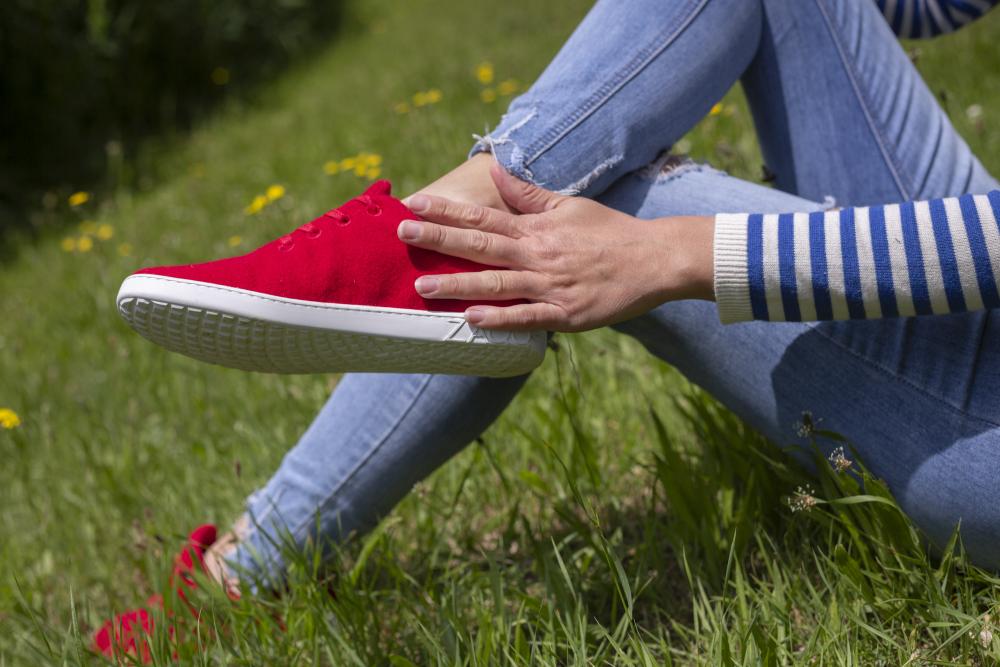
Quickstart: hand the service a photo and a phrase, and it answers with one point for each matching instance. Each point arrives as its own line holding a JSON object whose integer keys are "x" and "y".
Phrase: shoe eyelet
{"x": 374, "y": 210}
{"x": 285, "y": 246}
{"x": 314, "y": 232}
{"x": 345, "y": 220}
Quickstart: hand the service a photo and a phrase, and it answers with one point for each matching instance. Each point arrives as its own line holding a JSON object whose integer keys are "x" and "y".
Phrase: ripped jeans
{"x": 840, "y": 112}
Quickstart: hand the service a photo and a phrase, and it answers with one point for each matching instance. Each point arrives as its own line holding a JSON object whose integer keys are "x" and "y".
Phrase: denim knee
{"x": 959, "y": 486}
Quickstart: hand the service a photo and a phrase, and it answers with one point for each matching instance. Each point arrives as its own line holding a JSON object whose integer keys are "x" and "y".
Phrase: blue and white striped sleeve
{"x": 917, "y": 258}
{"x": 916, "y": 19}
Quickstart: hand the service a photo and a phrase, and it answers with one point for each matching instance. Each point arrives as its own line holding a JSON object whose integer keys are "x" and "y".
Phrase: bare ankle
{"x": 217, "y": 555}
{"x": 469, "y": 182}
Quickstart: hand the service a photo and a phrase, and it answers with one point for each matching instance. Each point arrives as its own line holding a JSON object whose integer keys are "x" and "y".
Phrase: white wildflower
{"x": 839, "y": 460}
{"x": 803, "y": 499}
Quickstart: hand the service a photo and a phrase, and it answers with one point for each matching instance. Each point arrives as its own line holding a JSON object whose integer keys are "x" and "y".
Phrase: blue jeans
{"x": 840, "y": 113}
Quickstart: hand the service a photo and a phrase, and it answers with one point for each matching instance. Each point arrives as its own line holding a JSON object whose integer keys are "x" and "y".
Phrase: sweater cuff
{"x": 732, "y": 285}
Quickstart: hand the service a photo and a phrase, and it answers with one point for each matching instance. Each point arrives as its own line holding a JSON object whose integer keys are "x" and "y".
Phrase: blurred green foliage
{"x": 82, "y": 80}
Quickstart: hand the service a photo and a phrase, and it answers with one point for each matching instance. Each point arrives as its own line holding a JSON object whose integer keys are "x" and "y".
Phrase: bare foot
{"x": 216, "y": 555}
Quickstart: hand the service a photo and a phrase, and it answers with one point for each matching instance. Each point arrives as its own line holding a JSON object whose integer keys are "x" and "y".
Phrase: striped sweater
{"x": 918, "y": 258}
{"x": 929, "y": 18}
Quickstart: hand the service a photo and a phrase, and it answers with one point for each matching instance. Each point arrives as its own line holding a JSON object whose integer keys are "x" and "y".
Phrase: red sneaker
{"x": 127, "y": 633}
{"x": 335, "y": 295}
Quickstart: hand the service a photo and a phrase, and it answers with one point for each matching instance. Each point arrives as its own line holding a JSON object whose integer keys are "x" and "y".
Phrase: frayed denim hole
{"x": 505, "y": 150}
{"x": 668, "y": 167}
{"x": 588, "y": 179}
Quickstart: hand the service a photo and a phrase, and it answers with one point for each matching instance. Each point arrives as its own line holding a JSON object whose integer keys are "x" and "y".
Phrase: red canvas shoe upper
{"x": 126, "y": 634}
{"x": 348, "y": 255}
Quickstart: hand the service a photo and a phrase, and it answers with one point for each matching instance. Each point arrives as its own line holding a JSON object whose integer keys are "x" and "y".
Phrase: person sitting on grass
{"x": 877, "y": 317}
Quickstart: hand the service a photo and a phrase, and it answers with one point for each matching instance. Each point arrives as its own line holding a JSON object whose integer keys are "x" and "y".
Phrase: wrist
{"x": 690, "y": 242}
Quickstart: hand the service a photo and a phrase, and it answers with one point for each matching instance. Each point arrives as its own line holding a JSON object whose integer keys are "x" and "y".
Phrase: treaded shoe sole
{"x": 259, "y": 332}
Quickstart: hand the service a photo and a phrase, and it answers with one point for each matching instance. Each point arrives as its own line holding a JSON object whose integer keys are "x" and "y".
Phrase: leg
{"x": 630, "y": 81}
{"x": 913, "y": 395}
{"x": 918, "y": 400}
{"x": 376, "y": 437}
{"x": 841, "y": 111}
{"x": 363, "y": 453}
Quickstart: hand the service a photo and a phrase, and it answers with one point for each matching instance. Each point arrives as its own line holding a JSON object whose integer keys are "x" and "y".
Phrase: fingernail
{"x": 427, "y": 284}
{"x": 417, "y": 203}
{"x": 409, "y": 230}
{"x": 475, "y": 315}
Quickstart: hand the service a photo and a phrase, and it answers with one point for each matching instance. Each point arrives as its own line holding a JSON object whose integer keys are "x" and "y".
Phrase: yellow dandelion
{"x": 85, "y": 244}
{"x": 105, "y": 232}
{"x": 488, "y": 95}
{"x": 508, "y": 87}
{"x": 359, "y": 168}
{"x": 220, "y": 76}
{"x": 275, "y": 192}
{"x": 259, "y": 202}
{"x": 124, "y": 249}
{"x": 79, "y": 198}
{"x": 9, "y": 418}
{"x": 433, "y": 95}
{"x": 419, "y": 99}
{"x": 401, "y": 108}
{"x": 68, "y": 244}
{"x": 331, "y": 167}
{"x": 88, "y": 227}
{"x": 484, "y": 73}
{"x": 374, "y": 160}
{"x": 716, "y": 110}
{"x": 348, "y": 163}
{"x": 373, "y": 172}
{"x": 235, "y": 240}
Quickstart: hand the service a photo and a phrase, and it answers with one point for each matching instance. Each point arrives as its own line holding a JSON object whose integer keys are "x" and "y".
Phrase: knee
{"x": 948, "y": 492}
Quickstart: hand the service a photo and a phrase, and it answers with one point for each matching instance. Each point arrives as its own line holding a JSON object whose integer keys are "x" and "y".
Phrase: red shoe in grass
{"x": 127, "y": 634}
{"x": 335, "y": 295}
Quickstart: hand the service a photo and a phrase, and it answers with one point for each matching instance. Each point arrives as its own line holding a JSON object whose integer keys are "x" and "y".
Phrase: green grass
{"x": 614, "y": 515}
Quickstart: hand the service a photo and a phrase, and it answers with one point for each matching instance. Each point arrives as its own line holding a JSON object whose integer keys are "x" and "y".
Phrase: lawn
{"x": 613, "y": 515}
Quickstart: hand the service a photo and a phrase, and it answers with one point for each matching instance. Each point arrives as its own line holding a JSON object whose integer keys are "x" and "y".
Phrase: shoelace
{"x": 312, "y": 230}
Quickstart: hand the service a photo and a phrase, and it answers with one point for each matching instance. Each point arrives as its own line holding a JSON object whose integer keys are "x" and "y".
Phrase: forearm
{"x": 917, "y": 258}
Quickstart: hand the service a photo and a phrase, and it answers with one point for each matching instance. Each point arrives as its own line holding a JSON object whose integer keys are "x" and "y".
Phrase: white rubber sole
{"x": 259, "y": 332}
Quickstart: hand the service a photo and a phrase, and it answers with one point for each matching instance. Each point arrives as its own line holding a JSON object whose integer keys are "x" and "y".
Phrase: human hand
{"x": 581, "y": 264}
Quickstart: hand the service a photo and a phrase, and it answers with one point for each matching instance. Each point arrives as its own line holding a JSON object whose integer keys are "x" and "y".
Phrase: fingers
{"x": 522, "y": 317}
{"x": 459, "y": 214}
{"x": 479, "y": 246}
{"x": 486, "y": 285}
{"x": 521, "y": 195}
